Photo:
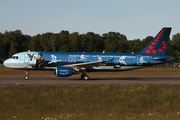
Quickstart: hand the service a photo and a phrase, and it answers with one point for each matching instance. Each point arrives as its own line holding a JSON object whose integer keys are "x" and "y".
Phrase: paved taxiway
{"x": 71, "y": 80}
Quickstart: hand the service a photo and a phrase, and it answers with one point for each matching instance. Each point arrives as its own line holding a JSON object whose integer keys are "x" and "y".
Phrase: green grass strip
{"x": 97, "y": 102}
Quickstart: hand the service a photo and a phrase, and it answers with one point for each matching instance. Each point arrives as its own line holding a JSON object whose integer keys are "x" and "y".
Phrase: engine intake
{"x": 64, "y": 71}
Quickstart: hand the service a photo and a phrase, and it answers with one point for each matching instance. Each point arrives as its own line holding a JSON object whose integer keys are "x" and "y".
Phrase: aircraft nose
{"x": 5, "y": 63}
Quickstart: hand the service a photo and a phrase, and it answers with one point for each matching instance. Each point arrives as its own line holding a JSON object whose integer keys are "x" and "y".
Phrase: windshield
{"x": 14, "y": 57}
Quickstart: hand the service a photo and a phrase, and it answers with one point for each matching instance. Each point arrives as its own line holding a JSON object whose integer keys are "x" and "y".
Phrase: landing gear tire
{"x": 26, "y": 78}
{"x": 84, "y": 77}
{"x": 27, "y": 73}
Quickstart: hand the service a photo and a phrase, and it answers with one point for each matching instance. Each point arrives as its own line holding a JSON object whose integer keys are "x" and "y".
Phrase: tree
{"x": 2, "y": 49}
{"x": 74, "y": 42}
{"x": 65, "y": 43}
{"x": 176, "y": 41}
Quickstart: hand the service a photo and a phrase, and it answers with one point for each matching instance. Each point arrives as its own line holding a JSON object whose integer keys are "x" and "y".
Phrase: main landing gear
{"x": 84, "y": 76}
{"x": 26, "y": 77}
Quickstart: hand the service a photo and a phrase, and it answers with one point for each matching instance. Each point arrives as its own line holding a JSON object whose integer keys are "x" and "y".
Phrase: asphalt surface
{"x": 76, "y": 81}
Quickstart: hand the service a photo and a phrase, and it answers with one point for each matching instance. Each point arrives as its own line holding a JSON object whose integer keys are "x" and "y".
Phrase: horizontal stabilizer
{"x": 163, "y": 58}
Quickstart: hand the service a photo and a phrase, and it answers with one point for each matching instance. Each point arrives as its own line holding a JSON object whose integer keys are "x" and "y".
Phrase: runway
{"x": 77, "y": 81}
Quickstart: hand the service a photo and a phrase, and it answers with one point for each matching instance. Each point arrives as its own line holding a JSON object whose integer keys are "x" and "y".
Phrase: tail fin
{"x": 159, "y": 44}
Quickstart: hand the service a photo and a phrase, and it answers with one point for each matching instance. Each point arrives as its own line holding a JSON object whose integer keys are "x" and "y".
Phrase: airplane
{"x": 66, "y": 64}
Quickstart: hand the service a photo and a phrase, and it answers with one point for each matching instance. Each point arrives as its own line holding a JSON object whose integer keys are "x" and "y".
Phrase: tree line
{"x": 12, "y": 42}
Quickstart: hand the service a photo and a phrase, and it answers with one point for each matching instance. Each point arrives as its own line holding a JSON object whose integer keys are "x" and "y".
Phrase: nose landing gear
{"x": 26, "y": 77}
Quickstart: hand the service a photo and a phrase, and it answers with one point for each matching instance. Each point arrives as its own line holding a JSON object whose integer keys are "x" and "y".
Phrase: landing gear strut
{"x": 26, "y": 77}
{"x": 84, "y": 76}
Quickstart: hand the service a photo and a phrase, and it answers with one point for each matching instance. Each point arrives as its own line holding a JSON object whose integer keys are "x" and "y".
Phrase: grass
{"x": 89, "y": 102}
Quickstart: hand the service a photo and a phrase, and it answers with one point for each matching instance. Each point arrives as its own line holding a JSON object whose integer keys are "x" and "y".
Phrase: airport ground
{"x": 93, "y": 101}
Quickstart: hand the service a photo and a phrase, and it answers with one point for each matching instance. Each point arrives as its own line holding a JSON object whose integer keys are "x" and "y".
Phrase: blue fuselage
{"x": 112, "y": 61}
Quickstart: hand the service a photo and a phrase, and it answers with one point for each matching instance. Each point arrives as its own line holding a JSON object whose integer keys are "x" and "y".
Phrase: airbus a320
{"x": 68, "y": 63}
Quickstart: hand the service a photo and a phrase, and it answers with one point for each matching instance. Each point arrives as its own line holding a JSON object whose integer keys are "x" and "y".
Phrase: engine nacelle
{"x": 64, "y": 71}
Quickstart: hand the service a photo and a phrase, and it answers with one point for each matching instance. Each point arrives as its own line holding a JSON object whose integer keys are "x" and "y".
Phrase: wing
{"x": 77, "y": 67}
{"x": 87, "y": 65}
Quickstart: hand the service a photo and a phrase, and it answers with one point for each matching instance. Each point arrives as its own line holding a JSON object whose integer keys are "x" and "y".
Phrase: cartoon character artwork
{"x": 99, "y": 58}
{"x": 142, "y": 60}
{"x": 53, "y": 59}
{"x": 40, "y": 62}
{"x": 122, "y": 60}
{"x": 82, "y": 57}
{"x": 30, "y": 56}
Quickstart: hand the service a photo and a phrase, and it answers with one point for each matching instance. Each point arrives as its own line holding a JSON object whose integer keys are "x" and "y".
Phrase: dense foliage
{"x": 14, "y": 41}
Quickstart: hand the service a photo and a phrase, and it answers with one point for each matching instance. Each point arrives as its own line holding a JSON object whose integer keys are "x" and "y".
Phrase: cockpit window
{"x": 14, "y": 57}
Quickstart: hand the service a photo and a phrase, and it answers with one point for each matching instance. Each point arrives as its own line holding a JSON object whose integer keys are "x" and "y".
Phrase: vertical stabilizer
{"x": 159, "y": 44}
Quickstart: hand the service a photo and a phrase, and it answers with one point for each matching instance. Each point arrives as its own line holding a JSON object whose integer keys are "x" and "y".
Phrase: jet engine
{"x": 64, "y": 71}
